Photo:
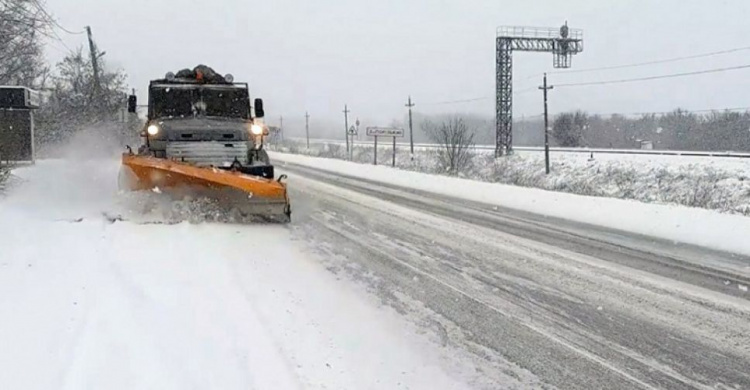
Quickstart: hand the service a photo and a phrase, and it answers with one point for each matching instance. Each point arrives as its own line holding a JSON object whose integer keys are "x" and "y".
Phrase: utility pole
{"x": 346, "y": 126}
{"x": 307, "y": 128}
{"x": 411, "y": 132}
{"x": 94, "y": 62}
{"x": 281, "y": 126}
{"x": 546, "y": 124}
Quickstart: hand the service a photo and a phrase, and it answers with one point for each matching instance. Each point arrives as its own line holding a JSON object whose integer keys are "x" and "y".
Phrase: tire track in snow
{"x": 552, "y": 337}
{"x": 350, "y": 206}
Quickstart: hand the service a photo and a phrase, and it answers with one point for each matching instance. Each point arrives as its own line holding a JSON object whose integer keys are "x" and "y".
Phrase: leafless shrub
{"x": 624, "y": 180}
{"x": 456, "y": 142}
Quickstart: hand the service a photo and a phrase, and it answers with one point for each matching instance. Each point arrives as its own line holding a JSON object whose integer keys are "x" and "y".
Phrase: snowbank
{"x": 677, "y": 223}
{"x": 721, "y": 184}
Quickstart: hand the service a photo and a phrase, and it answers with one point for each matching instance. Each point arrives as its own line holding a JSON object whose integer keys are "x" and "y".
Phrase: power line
{"x": 461, "y": 101}
{"x": 673, "y": 75}
{"x": 63, "y": 51}
{"x": 52, "y": 20}
{"x": 703, "y": 110}
{"x": 621, "y": 80}
{"x": 655, "y": 62}
{"x": 526, "y": 90}
{"x": 59, "y": 39}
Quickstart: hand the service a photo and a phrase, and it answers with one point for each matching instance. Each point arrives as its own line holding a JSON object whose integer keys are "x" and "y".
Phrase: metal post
{"x": 281, "y": 127}
{"x": 307, "y": 128}
{"x": 546, "y": 124}
{"x": 563, "y": 43}
{"x": 393, "y": 164}
{"x": 375, "y": 160}
{"x": 411, "y": 132}
{"x": 346, "y": 126}
{"x": 503, "y": 96}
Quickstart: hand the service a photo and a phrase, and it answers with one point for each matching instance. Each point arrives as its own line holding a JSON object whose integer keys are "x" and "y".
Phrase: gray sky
{"x": 321, "y": 54}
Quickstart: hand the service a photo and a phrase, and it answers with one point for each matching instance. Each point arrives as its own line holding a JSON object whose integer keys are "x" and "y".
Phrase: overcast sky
{"x": 372, "y": 54}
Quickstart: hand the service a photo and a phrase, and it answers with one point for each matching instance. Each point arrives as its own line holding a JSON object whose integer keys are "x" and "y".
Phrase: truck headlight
{"x": 256, "y": 129}
{"x": 153, "y": 129}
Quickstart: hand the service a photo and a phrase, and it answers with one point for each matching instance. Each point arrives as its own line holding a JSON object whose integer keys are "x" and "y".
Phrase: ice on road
{"x": 86, "y": 302}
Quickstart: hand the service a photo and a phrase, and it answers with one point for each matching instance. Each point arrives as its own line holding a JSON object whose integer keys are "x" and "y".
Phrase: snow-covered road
{"x": 566, "y": 304}
{"x": 373, "y": 286}
{"x": 86, "y": 302}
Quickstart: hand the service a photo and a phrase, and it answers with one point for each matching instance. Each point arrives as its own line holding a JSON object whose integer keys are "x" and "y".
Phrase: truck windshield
{"x": 199, "y": 101}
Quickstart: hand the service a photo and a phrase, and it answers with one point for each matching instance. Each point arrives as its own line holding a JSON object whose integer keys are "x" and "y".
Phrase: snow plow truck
{"x": 203, "y": 137}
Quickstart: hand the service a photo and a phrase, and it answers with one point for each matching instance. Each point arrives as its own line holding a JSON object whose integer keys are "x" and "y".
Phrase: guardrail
{"x": 686, "y": 153}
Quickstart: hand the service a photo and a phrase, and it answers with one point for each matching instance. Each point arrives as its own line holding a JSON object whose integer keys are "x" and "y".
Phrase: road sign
{"x": 352, "y": 130}
{"x": 385, "y": 132}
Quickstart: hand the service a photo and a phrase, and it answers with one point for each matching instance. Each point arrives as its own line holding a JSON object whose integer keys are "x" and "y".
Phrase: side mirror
{"x": 132, "y": 103}
{"x": 259, "y": 113}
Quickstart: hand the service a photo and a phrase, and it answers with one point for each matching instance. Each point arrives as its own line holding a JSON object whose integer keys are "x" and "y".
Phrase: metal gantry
{"x": 562, "y": 42}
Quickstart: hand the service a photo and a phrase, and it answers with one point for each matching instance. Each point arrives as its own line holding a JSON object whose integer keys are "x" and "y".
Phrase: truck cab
{"x": 200, "y": 117}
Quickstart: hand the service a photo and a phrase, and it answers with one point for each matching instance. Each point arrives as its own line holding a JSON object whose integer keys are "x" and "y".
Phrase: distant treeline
{"x": 679, "y": 129}
{"x": 676, "y": 130}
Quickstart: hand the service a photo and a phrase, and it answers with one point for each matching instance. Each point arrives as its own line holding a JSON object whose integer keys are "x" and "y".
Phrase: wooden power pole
{"x": 546, "y": 124}
{"x": 94, "y": 62}
{"x": 411, "y": 131}
{"x": 346, "y": 127}
{"x": 307, "y": 128}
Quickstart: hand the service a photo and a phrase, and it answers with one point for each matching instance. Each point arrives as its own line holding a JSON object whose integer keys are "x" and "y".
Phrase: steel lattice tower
{"x": 562, "y": 42}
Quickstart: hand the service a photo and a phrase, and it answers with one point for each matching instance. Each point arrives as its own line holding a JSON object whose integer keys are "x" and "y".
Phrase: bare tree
{"x": 455, "y": 140}
{"x": 23, "y": 23}
{"x": 72, "y": 105}
{"x": 568, "y": 128}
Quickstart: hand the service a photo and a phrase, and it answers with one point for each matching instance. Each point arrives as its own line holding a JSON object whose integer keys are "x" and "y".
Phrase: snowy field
{"x": 90, "y": 302}
{"x": 715, "y": 183}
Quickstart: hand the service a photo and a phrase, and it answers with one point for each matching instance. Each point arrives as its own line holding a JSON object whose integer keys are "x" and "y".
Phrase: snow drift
{"x": 709, "y": 183}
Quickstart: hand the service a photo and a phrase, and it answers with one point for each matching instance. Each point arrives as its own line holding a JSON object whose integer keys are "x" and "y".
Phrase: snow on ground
{"x": 647, "y": 159}
{"x": 87, "y": 302}
{"x": 582, "y": 156}
{"x": 716, "y": 183}
{"x": 677, "y": 223}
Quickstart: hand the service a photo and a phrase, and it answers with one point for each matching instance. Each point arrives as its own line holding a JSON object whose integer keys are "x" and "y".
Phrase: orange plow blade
{"x": 252, "y": 194}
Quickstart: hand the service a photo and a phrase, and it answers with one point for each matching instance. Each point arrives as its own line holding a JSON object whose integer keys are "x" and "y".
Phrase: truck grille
{"x": 208, "y": 153}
